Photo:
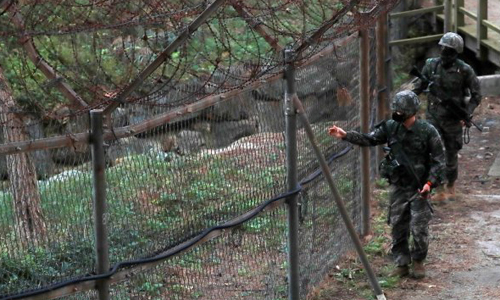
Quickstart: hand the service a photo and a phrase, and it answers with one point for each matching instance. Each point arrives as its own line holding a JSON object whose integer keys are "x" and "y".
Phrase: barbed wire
{"x": 100, "y": 47}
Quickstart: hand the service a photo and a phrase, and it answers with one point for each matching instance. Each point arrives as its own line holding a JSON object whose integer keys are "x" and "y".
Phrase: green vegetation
{"x": 147, "y": 199}
{"x": 152, "y": 204}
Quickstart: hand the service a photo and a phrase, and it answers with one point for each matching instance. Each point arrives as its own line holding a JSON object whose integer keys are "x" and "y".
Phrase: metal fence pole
{"x": 381, "y": 39}
{"x": 291, "y": 158}
{"x": 99, "y": 200}
{"x": 338, "y": 200}
{"x": 364, "y": 62}
{"x": 388, "y": 65}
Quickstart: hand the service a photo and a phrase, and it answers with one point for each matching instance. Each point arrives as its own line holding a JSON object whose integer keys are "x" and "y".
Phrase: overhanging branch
{"x": 38, "y": 61}
{"x": 183, "y": 37}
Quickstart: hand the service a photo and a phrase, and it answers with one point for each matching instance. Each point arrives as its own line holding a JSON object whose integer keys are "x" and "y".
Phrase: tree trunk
{"x": 22, "y": 173}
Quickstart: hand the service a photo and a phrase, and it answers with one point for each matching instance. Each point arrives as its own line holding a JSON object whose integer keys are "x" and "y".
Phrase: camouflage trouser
{"x": 408, "y": 216}
{"x": 451, "y": 134}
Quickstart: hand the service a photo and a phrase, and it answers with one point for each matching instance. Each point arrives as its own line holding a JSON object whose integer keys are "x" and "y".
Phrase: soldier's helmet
{"x": 406, "y": 102}
{"x": 452, "y": 40}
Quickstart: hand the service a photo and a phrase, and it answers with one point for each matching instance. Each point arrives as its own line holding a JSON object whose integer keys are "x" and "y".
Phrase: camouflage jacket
{"x": 421, "y": 143}
{"x": 457, "y": 81}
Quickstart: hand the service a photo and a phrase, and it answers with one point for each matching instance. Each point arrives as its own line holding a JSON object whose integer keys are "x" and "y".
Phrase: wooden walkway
{"x": 476, "y": 18}
{"x": 490, "y": 46}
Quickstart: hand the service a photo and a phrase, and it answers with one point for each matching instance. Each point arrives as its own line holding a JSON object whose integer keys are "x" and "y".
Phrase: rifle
{"x": 442, "y": 98}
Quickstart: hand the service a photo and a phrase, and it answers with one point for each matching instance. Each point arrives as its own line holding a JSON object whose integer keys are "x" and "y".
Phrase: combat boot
{"x": 418, "y": 269}
{"x": 450, "y": 192}
{"x": 439, "y": 196}
{"x": 400, "y": 271}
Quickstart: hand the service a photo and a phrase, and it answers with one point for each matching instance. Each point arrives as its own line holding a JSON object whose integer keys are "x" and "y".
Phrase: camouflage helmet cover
{"x": 406, "y": 102}
{"x": 452, "y": 40}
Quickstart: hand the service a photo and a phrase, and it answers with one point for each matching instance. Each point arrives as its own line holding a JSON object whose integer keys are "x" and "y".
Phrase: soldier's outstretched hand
{"x": 336, "y": 132}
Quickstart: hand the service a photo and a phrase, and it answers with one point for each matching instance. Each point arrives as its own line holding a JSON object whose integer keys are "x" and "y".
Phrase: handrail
{"x": 468, "y": 13}
{"x": 491, "y": 26}
{"x": 473, "y": 16}
{"x": 416, "y": 11}
{"x": 422, "y": 39}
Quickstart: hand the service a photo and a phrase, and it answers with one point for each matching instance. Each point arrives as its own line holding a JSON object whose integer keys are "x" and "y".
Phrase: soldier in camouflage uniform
{"x": 411, "y": 176}
{"x": 457, "y": 80}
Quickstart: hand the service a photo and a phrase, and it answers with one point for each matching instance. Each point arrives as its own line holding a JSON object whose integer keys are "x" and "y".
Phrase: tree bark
{"x": 30, "y": 226}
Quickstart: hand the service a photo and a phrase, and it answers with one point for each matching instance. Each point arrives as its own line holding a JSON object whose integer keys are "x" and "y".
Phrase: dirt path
{"x": 464, "y": 252}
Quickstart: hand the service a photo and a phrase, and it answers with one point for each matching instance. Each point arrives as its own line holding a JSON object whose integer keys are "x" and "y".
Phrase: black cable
{"x": 318, "y": 172}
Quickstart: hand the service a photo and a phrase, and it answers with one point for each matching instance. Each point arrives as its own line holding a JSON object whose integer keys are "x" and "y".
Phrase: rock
{"x": 66, "y": 175}
{"x": 121, "y": 148}
{"x": 190, "y": 141}
{"x": 225, "y": 133}
{"x": 234, "y": 110}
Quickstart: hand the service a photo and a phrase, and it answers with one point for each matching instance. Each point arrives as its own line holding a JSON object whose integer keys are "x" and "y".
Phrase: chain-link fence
{"x": 195, "y": 182}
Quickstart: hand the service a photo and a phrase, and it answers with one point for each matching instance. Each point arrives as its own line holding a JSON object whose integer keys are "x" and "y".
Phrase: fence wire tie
{"x": 117, "y": 140}
{"x": 74, "y": 141}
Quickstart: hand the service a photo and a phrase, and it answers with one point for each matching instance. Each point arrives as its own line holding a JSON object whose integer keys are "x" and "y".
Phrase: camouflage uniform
{"x": 457, "y": 80}
{"x": 408, "y": 212}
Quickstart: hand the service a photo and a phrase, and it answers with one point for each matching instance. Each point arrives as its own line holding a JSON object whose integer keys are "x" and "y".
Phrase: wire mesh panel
{"x": 329, "y": 91}
{"x": 374, "y": 94}
{"x": 171, "y": 183}
{"x": 46, "y": 228}
{"x": 245, "y": 262}
{"x": 323, "y": 235}
{"x": 194, "y": 138}
{"x": 167, "y": 184}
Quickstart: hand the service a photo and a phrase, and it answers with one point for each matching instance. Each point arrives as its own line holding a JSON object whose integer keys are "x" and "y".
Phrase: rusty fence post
{"x": 292, "y": 178}
{"x": 365, "y": 127}
{"x": 99, "y": 201}
{"x": 381, "y": 40}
